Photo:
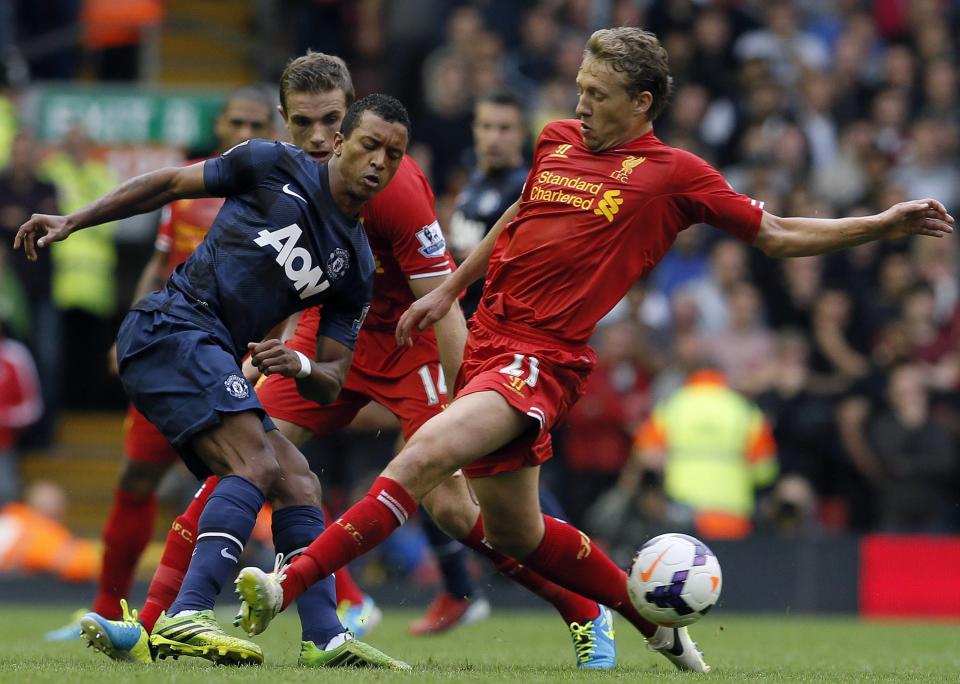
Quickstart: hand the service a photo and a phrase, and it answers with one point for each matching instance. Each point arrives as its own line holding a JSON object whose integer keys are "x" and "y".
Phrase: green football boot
{"x": 200, "y": 635}
{"x": 124, "y": 639}
{"x": 348, "y": 653}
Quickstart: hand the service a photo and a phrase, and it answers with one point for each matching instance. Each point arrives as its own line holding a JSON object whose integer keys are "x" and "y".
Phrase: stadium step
{"x": 85, "y": 461}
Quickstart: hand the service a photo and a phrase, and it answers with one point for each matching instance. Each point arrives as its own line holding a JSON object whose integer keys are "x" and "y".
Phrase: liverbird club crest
{"x": 626, "y": 168}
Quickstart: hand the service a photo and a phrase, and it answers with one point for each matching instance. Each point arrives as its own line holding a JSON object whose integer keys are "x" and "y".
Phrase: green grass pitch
{"x": 526, "y": 647}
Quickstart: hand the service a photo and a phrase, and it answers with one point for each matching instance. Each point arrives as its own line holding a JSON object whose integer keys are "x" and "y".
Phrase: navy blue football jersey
{"x": 479, "y": 206}
{"x": 279, "y": 244}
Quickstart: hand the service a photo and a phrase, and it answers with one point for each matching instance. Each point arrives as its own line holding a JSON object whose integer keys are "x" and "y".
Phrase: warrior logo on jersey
{"x": 431, "y": 239}
{"x": 237, "y": 387}
{"x": 338, "y": 263}
{"x": 626, "y": 168}
{"x": 297, "y": 262}
{"x": 561, "y": 151}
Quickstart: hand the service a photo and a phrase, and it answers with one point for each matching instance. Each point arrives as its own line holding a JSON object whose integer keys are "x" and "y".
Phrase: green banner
{"x": 117, "y": 114}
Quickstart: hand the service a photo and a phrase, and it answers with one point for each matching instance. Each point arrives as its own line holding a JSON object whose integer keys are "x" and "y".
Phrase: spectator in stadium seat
{"x": 20, "y": 406}
{"x": 84, "y": 275}
{"x": 744, "y": 349}
{"x": 23, "y": 193}
{"x": 36, "y": 540}
{"x": 728, "y": 266}
{"x": 917, "y": 458}
{"x": 597, "y": 431}
{"x": 713, "y": 449}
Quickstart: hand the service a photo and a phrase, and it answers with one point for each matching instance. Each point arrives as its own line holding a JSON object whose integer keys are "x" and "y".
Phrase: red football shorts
{"x": 536, "y": 374}
{"x": 405, "y": 381}
{"x": 144, "y": 443}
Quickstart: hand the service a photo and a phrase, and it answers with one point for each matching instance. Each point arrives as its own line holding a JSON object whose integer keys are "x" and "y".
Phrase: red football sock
{"x": 572, "y": 607}
{"x": 181, "y": 539}
{"x": 346, "y": 588}
{"x": 368, "y": 522}
{"x": 568, "y": 557}
{"x": 125, "y": 536}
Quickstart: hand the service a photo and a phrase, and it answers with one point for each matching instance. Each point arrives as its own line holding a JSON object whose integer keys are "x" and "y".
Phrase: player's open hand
{"x": 273, "y": 357}
{"x": 423, "y": 313}
{"x": 40, "y": 231}
{"x": 916, "y": 217}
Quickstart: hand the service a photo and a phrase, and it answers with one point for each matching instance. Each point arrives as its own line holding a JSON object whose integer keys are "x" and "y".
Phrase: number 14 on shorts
{"x": 517, "y": 370}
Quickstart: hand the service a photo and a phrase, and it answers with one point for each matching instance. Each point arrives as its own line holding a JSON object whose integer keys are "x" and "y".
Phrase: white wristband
{"x": 305, "y": 366}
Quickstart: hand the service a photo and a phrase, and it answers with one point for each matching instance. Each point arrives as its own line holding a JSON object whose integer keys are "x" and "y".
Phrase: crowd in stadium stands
{"x": 816, "y": 108}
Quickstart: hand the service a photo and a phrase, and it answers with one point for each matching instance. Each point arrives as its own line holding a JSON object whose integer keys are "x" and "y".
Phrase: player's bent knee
{"x": 296, "y": 489}
{"x": 261, "y": 469}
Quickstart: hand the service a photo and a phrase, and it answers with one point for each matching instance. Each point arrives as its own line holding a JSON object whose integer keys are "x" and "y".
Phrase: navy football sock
{"x": 225, "y": 526}
{"x": 451, "y": 557}
{"x": 294, "y": 527}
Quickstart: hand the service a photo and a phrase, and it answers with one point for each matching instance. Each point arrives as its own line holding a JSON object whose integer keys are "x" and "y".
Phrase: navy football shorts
{"x": 182, "y": 378}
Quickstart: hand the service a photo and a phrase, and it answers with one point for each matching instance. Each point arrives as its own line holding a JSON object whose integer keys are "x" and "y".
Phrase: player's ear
{"x": 643, "y": 102}
{"x": 338, "y": 143}
{"x": 283, "y": 114}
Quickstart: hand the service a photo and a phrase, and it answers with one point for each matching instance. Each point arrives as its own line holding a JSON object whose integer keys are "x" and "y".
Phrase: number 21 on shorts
{"x": 517, "y": 370}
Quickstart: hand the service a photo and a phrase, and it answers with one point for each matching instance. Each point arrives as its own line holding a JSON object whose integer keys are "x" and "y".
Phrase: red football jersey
{"x": 590, "y": 224}
{"x": 183, "y": 225}
{"x": 407, "y": 244}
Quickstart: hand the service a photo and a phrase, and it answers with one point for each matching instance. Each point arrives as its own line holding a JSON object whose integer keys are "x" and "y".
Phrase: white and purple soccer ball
{"x": 674, "y": 580}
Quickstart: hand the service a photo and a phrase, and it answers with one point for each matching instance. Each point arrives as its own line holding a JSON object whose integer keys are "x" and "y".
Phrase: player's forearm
{"x": 797, "y": 236}
{"x": 451, "y": 332}
{"x": 474, "y": 266}
{"x": 324, "y": 383}
{"x": 139, "y": 195}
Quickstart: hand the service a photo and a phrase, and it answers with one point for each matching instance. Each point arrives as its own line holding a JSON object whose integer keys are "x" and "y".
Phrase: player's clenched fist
{"x": 40, "y": 231}
{"x": 273, "y": 357}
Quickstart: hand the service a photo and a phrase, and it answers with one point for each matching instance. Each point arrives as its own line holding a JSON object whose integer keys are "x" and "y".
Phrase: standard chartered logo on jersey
{"x": 609, "y": 205}
{"x": 577, "y": 192}
{"x": 297, "y": 262}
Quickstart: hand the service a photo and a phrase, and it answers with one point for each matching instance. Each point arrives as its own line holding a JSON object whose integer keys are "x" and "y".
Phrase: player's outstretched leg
{"x": 125, "y": 639}
{"x": 371, "y": 520}
{"x": 357, "y": 611}
{"x": 470, "y": 427}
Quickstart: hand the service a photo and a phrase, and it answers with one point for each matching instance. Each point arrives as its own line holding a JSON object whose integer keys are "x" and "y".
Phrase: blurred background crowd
{"x": 735, "y": 394}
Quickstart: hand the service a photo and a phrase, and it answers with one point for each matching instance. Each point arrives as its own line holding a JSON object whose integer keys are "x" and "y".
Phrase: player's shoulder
{"x": 561, "y": 131}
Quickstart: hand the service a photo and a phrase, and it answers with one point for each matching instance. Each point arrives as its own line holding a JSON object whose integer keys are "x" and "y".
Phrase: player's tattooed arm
{"x": 796, "y": 236}
{"x": 138, "y": 195}
{"x": 430, "y": 308}
{"x": 319, "y": 380}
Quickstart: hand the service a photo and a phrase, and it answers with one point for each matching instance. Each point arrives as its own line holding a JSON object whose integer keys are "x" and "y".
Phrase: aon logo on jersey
{"x": 297, "y": 262}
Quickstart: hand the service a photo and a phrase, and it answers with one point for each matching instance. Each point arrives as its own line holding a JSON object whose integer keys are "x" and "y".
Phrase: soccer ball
{"x": 674, "y": 580}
